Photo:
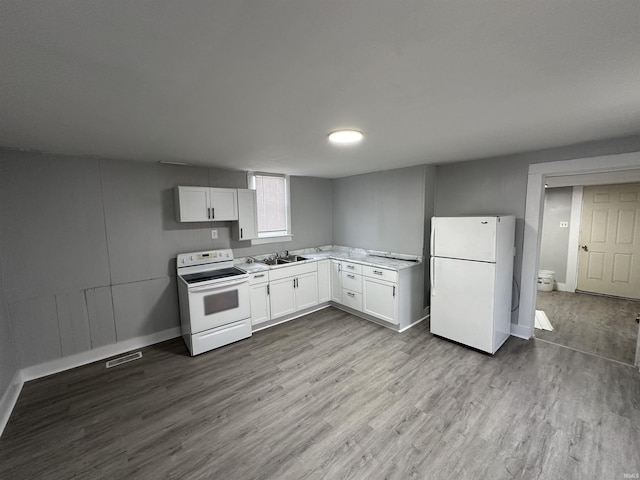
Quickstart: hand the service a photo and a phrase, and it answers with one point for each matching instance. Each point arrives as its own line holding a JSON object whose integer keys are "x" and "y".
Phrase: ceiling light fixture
{"x": 168, "y": 162}
{"x": 346, "y": 136}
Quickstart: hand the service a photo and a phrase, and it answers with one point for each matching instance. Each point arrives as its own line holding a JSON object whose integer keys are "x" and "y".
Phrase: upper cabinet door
{"x": 247, "y": 227}
{"x": 192, "y": 204}
{"x": 224, "y": 204}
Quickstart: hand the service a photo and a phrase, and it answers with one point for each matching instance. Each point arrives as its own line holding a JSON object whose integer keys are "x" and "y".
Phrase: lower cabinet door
{"x": 260, "y": 311}
{"x": 380, "y": 300}
{"x": 306, "y": 290}
{"x": 336, "y": 281}
{"x": 324, "y": 281}
{"x": 282, "y": 297}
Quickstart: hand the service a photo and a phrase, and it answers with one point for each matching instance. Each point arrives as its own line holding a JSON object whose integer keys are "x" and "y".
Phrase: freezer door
{"x": 470, "y": 238}
{"x": 462, "y": 301}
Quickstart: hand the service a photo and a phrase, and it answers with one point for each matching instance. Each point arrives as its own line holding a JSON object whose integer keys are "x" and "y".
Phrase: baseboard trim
{"x": 413, "y": 324}
{"x": 100, "y": 353}
{"x": 9, "y": 399}
{"x": 521, "y": 331}
{"x": 564, "y": 287}
{"x": 286, "y": 319}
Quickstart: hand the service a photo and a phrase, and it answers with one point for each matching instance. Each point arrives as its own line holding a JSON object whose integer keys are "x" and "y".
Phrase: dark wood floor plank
{"x": 331, "y": 396}
{"x": 604, "y": 326}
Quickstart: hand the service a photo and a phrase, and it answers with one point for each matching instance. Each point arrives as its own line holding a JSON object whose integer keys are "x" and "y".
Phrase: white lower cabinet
{"x": 352, "y": 299}
{"x": 259, "y": 296}
{"x": 260, "y": 311}
{"x": 306, "y": 290}
{"x": 324, "y": 281}
{"x": 336, "y": 281}
{"x": 380, "y": 299}
{"x": 283, "y": 297}
{"x": 293, "y": 288}
{"x": 393, "y": 296}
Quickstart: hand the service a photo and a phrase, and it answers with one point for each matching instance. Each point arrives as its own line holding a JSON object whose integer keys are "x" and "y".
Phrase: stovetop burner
{"x": 212, "y": 275}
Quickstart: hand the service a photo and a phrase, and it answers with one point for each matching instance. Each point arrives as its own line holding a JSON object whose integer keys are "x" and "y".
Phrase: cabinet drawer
{"x": 352, "y": 267}
{"x": 293, "y": 270}
{"x": 352, "y": 281}
{"x": 259, "y": 277}
{"x": 352, "y": 299}
{"x": 381, "y": 273}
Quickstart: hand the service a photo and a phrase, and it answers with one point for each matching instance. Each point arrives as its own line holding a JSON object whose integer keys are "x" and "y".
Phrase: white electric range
{"x": 215, "y": 308}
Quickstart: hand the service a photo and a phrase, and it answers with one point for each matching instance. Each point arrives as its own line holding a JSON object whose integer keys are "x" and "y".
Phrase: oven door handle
{"x": 216, "y": 286}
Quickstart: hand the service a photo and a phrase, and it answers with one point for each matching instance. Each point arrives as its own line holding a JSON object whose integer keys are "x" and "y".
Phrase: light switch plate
{"x": 564, "y": 224}
{"x": 214, "y": 234}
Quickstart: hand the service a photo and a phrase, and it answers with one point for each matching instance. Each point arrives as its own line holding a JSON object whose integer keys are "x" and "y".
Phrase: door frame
{"x": 534, "y": 208}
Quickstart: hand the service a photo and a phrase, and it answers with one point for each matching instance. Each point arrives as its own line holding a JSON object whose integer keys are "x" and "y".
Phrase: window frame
{"x": 281, "y": 235}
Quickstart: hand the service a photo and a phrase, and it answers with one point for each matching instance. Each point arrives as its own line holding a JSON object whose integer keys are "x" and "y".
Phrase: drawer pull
{"x": 351, "y": 267}
{"x": 351, "y": 276}
{"x": 351, "y": 294}
{"x": 259, "y": 276}
{"x": 377, "y": 272}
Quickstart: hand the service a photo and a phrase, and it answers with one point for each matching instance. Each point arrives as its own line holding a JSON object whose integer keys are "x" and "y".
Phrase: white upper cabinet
{"x": 224, "y": 204}
{"x": 206, "y": 204}
{"x": 247, "y": 226}
{"x": 192, "y": 204}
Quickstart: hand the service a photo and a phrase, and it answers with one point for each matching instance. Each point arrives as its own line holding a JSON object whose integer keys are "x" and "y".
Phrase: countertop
{"x": 355, "y": 257}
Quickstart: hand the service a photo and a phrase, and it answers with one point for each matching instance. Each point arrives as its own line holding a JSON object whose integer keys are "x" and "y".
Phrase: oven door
{"x": 212, "y": 306}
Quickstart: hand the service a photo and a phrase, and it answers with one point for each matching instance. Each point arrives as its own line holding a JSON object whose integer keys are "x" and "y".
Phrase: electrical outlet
{"x": 214, "y": 234}
{"x": 564, "y": 224}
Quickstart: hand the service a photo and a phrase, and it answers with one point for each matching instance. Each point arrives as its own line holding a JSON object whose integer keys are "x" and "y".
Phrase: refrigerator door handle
{"x": 432, "y": 276}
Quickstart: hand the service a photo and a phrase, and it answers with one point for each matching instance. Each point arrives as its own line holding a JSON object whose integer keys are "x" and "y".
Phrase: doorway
{"x": 594, "y": 226}
{"x": 607, "y": 169}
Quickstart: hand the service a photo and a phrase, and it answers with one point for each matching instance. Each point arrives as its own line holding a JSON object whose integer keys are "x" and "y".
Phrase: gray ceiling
{"x": 257, "y": 85}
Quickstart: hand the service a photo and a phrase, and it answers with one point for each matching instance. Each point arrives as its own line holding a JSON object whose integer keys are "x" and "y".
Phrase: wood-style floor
{"x": 331, "y": 396}
{"x": 600, "y": 325}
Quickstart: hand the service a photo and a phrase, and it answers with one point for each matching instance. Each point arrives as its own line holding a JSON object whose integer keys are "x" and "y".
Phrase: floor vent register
{"x": 125, "y": 359}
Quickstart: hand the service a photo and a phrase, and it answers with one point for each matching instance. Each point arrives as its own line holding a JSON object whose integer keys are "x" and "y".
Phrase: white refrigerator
{"x": 471, "y": 279}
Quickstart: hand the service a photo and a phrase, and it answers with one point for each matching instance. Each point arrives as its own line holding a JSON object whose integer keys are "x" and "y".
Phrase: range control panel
{"x": 209, "y": 256}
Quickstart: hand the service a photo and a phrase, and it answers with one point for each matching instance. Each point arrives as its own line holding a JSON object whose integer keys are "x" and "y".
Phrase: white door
{"x": 462, "y": 301}
{"x": 609, "y": 259}
{"x": 224, "y": 204}
{"x": 247, "y": 216}
{"x": 306, "y": 290}
{"x": 259, "y": 303}
{"x": 324, "y": 281}
{"x": 471, "y": 238}
{"x": 282, "y": 297}
{"x": 336, "y": 281}
{"x": 192, "y": 204}
{"x": 380, "y": 299}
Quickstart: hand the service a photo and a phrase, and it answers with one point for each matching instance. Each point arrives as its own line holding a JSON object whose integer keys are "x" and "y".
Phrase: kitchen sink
{"x": 293, "y": 258}
{"x": 283, "y": 260}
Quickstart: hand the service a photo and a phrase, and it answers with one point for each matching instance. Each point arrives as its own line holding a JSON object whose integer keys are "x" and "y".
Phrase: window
{"x": 272, "y": 195}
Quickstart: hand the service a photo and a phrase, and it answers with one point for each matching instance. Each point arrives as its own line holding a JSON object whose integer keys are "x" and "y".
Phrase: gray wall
{"x": 554, "y": 245}
{"x": 89, "y": 246}
{"x": 499, "y": 185}
{"x": 381, "y": 211}
{"x": 9, "y": 362}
